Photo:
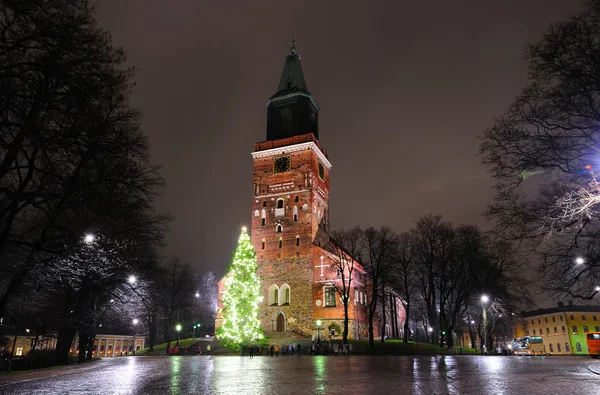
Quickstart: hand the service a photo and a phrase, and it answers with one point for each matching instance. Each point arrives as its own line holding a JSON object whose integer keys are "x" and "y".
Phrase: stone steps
{"x": 280, "y": 338}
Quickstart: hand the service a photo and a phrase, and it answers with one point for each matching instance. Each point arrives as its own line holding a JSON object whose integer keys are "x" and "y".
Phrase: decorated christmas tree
{"x": 242, "y": 297}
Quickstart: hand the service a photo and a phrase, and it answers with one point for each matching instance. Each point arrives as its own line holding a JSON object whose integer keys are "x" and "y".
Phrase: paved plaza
{"x": 320, "y": 375}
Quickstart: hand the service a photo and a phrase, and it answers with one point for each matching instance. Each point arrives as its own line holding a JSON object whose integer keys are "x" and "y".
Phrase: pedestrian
{"x": 208, "y": 349}
{"x": 299, "y": 350}
{"x": 199, "y": 350}
{"x": 251, "y": 351}
{"x": 272, "y": 350}
{"x": 276, "y": 351}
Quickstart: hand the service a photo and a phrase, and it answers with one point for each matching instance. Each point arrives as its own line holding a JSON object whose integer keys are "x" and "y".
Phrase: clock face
{"x": 282, "y": 164}
{"x": 321, "y": 171}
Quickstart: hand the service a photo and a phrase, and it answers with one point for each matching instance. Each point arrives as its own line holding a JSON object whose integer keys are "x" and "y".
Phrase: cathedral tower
{"x": 290, "y": 203}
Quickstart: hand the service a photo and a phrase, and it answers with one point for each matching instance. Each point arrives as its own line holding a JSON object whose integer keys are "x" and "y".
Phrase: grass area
{"x": 389, "y": 347}
{"x": 159, "y": 349}
{"x": 397, "y": 347}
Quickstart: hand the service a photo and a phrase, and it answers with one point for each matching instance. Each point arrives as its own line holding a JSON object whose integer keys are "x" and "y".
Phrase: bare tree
{"x": 378, "y": 248}
{"x": 404, "y": 273}
{"x": 550, "y": 135}
{"x": 346, "y": 247}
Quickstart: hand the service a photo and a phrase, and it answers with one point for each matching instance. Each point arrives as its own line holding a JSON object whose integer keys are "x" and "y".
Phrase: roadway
{"x": 425, "y": 375}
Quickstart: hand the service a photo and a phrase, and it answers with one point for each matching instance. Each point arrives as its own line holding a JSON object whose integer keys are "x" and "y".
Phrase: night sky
{"x": 405, "y": 89}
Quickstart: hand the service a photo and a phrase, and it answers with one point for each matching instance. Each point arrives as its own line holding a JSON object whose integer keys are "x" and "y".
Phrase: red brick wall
{"x": 289, "y": 264}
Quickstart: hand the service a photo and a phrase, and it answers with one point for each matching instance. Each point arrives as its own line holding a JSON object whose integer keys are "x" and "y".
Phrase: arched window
{"x": 264, "y": 203}
{"x": 279, "y": 209}
{"x": 295, "y": 213}
{"x": 567, "y": 348}
{"x": 297, "y": 240}
{"x": 578, "y": 347}
{"x": 558, "y": 348}
{"x": 279, "y": 228}
{"x": 256, "y": 213}
{"x": 284, "y": 294}
{"x": 273, "y": 295}
{"x": 263, "y": 244}
{"x": 297, "y": 199}
{"x": 551, "y": 347}
{"x": 280, "y": 242}
{"x": 263, "y": 216}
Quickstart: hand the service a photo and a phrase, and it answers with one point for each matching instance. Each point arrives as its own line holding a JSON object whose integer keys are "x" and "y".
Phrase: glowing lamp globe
{"x": 485, "y": 298}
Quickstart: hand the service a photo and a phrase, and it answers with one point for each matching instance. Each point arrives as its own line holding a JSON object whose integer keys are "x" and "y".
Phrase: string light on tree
{"x": 242, "y": 297}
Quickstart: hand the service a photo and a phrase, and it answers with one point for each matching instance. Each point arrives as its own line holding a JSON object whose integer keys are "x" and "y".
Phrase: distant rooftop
{"x": 561, "y": 309}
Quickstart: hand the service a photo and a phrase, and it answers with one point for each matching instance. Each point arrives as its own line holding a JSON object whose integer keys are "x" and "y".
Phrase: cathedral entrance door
{"x": 280, "y": 323}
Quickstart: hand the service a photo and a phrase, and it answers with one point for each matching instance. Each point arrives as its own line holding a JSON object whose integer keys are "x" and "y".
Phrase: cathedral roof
{"x": 292, "y": 78}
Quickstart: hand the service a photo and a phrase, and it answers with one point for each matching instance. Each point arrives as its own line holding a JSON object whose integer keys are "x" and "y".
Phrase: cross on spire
{"x": 293, "y": 46}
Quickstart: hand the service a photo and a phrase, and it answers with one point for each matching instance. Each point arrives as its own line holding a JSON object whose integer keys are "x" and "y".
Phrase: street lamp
{"x": 89, "y": 238}
{"x": 318, "y": 331}
{"x": 131, "y": 279}
{"x": 197, "y": 294}
{"x": 579, "y": 260}
{"x": 178, "y": 328}
{"x": 484, "y": 300}
{"x": 135, "y": 322}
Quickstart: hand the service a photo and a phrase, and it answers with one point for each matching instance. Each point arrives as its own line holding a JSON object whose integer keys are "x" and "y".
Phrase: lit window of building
{"x": 574, "y": 329}
{"x": 330, "y": 297}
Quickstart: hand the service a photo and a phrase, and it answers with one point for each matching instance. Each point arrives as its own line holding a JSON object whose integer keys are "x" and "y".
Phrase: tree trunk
{"x": 345, "y": 332}
{"x": 63, "y": 344}
{"x": 83, "y": 345}
{"x": 405, "y": 337}
{"x": 384, "y": 318}
{"x": 90, "y": 349}
{"x": 166, "y": 329}
{"x": 152, "y": 331}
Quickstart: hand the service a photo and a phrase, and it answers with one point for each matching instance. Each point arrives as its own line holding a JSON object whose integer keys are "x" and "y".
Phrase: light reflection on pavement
{"x": 422, "y": 375}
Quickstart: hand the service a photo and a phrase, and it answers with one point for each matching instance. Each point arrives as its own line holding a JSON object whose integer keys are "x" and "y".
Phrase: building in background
{"x": 562, "y": 328}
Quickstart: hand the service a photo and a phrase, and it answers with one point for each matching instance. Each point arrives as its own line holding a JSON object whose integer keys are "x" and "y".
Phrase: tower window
{"x": 295, "y": 217}
{"x": 264, "y": 203}
{"x": 263, "y": 221}
{"x": 263, "y": 244}
{"x": 297, "y": 240}
{"x": 280, "y": 242}
{"x": 279, "y": 210}
{"x": 295, "y": 213}
{"x": 263, "y": 216}
{"x": 279, "y": 228}
{"x": 296, "y": 199}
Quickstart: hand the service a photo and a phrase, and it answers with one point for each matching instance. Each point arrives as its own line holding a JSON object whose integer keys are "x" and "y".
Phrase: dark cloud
{"x": 405, "y": 89}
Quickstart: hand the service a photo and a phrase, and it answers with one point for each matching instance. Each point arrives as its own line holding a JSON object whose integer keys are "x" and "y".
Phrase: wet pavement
{"x": 323, "y": 375}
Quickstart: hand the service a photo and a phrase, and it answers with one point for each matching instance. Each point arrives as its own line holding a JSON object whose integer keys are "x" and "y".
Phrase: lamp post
{"x": 318, "y": 331}
{"x": 135, "y": 322}
{"x": 177, "y": 328}
{"x": 484, "y": 300}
